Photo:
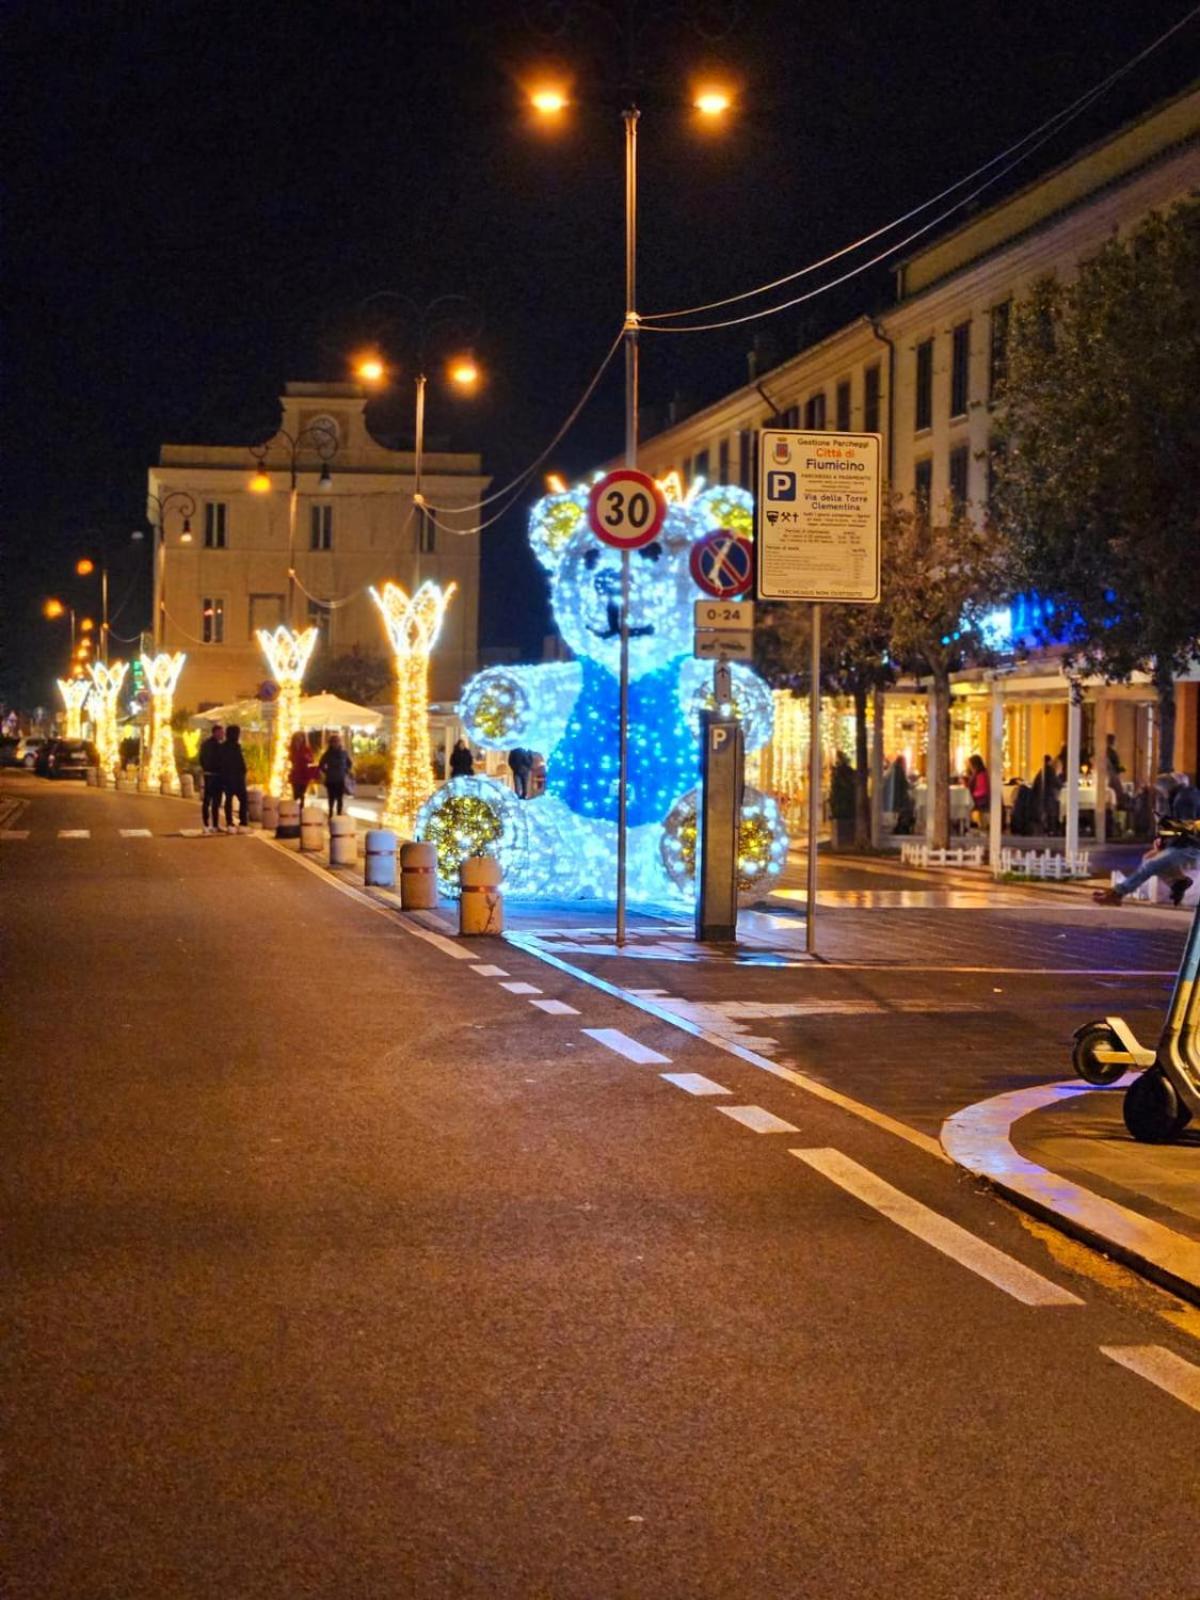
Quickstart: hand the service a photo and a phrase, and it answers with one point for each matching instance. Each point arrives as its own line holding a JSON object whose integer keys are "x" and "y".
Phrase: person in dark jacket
{"x": 233, "y": 779}
{"x": 210, "y": 769}
{"x": 520, "y": 764}
{"x": 336, "y": 768}
{"x": 462, "y": 762}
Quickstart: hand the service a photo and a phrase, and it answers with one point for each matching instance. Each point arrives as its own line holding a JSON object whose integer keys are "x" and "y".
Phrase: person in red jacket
{"x": 980, "y": 789}
{"x": 301, "y": 771}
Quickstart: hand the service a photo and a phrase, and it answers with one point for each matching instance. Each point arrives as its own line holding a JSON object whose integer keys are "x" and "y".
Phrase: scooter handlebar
{"x": 1183, "y": 832}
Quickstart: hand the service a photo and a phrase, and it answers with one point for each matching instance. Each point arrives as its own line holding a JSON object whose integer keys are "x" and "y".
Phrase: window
{"x": 266, "y": 611}
{"x": 842, "y": 406}
{"x": 746, "y": 455}
{"x": 814, "y": 411}
{"x": 723, "y": 461}
{"x": 960, "y": 369}
{"x": 791, "y": 417}
{"x": 960, "y": 458}
{"x": 212, "y": 620}
{"x": 214, "y": 524}
{"x": 871, "y": 389}
{"x": 321, "y": 527}
{"x": 923, "y": 484}
{"x": 923, "y": 413}
{"x": 699, "y": 466}
{"x": 998, "y": 350}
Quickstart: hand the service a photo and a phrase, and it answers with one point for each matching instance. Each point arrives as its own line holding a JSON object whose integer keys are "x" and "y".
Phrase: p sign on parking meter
{"x": 626, "y": 508}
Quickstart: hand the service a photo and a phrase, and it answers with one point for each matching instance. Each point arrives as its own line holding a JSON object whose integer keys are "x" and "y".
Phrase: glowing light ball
{"x": 162, "y": 674}
{"x": 106, "y": 690}
{"x": 288, "y": 655}
{"x": 74, "y": 692}
{"x": 569, "y": 710}
{"x": 413, "y": 624}
{"x": 762, "y": 843}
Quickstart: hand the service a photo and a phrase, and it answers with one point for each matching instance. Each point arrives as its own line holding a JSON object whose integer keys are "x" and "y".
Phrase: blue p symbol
{"x": 781, "y": 485}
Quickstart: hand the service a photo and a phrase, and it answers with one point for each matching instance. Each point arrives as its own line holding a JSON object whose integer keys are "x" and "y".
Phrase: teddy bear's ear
{"x": 553, "y": 523}
{"x": 725, "y": 506}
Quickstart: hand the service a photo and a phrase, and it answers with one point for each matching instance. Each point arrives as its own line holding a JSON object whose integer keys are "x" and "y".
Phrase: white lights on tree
{"x": 288, "y": 655}
{"x": 413, "y": 623}
{"x": 106, "y": 690}
{"x": 162, "y": 674}
{"x": 74, "y": 692}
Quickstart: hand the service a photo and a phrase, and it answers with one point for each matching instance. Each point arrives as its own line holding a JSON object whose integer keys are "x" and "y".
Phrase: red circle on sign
{"x": 722, "y": 564}
{"x": 626, "y": 509}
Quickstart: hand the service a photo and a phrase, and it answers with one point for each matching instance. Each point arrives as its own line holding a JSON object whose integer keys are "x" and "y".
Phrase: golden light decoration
{"x": 162, "y": 674}
{"x": 288, "y": 655}
{"x": 107, "y": 681}
{"x": 413, "y": 624}
{"x": 74, "y": 692}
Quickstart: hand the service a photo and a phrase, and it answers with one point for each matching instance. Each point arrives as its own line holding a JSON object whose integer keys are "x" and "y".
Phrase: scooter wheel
{"x": 1096, "y": 1036}
{"x": 1153, "y": 1112}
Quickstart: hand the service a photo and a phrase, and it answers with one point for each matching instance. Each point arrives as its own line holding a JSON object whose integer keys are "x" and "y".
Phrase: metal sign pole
{"x": 814, "y": 783}
{"x": 630, "y": 118}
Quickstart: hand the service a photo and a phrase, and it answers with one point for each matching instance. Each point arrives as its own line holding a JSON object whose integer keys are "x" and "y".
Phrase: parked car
{"x": 68, "y": 758}
{"x": 25, "y": 753}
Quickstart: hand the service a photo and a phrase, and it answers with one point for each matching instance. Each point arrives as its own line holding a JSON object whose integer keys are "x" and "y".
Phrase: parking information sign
{"x": 818, "y": 516}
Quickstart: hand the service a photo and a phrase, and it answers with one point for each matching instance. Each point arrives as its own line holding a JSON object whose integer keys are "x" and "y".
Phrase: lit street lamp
{"x": 157, "y": 506}
{"x": 323, "y": 442}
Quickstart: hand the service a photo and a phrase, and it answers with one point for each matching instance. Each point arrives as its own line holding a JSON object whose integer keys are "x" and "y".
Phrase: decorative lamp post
{"x": 413, "y": 624}
{"x": 106, "y": 690}
{"x": 162, "y": 674}
{"x": 324, "y": 443}
{"x": 288, "y": 656}
{"x": 74, "y": 692}
{"x": 157, "y": 506}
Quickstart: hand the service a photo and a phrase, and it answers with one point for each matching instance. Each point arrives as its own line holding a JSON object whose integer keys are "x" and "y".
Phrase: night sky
{"x": 198, "y": 195}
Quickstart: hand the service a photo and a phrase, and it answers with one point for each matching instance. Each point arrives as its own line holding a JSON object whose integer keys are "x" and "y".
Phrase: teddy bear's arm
{"x": 507, "y": 706}
{"x": 751, "y": 697}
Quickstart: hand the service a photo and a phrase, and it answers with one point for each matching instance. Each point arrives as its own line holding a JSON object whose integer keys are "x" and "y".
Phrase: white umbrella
{"x": 329, "y": 711}
{"x": 248, "y": 713}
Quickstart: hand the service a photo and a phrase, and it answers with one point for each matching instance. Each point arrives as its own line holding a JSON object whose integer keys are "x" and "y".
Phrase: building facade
{"x": 250, "y": 559}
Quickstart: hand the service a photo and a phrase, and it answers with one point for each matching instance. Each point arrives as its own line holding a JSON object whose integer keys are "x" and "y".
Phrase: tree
{"x": 358, "y": 677}
{"x": 1098, "y": 473}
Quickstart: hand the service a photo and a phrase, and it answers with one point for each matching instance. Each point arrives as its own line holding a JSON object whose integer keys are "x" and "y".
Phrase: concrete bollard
{"x": 169, "y": 786}
{"x": 254, "y": 805}
{"x": 270, "y": 811}
{"x": 89, "y": 776}
{"x": 379, "y": 869}
{"x": 144, "y": 786}
{"x": 343, "y": 841}
{"x": 418, "y": 877}
{"x": 312, "y": 828}
{"x": 127, "y": 785}
{"x": 481, "y": 908}
{"x": 288, "y": 826}
{"x": 187, "y": 786}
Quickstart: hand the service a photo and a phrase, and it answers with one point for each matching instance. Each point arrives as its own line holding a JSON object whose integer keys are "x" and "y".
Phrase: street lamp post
{"x": 157, "y": 506}
{"x": 324, "y": 442}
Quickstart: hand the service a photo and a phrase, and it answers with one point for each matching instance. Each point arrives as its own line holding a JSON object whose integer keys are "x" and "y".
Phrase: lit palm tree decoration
{"x": 288, "y": 656}
{"x": 107, "y": 681}
{"x": 413, "y": 624}
{"x": 74, "y": 692}
{"x": 162, "y": 674}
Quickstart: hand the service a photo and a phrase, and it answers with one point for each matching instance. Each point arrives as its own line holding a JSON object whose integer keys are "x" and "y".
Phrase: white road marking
{"x": 614, "y": 1039}
{"x": 14, "y": 833}
{"x": 490, "y": 972}
{"x": 1160, "y": 1366}
{"x": 191, "y": 833}
{"x": 1025, "y": 1285}
{"x": 758, "y": 1120}
{"x": 135, "y": 833}
{"x": 446, "y": 946}
{"x": 694, "y": 1083}
{"x": 555, "y": 1008}
{"x": 521, "y": 988}
{"x": 74, "y": 833}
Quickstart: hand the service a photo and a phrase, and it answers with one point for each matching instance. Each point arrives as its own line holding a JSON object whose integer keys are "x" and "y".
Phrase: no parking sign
{"x": 722, "y": 564}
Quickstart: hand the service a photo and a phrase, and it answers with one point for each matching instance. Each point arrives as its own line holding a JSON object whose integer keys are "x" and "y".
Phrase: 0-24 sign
{"x": 626, "y": 508}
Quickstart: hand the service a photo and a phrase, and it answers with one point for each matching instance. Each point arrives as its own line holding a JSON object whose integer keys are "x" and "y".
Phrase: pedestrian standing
{"x": 233, "y": 780}
{"x": 462, "y": 762}
{"x": 520, "y": 763}
{"x": 980, "y": 789}
{"x": 336, "y": 767}
{"x": 210, "y": 773}
{"x": 301, "y": 771}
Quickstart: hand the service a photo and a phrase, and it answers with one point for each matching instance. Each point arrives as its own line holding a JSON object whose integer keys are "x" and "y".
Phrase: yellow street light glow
{"x": 287, "y": 656}
{"x": 549, "y": 101}
{"x": 712, "y": 102}
{"x": 464, "y": 372}
{"x": 260, "y": 482}
{"x": 86, "y": 625}
{"x": 85, "y": 566}
{"x": 370, "y": 369}
{"x": 413, "y": 624}
{"x": 555, "y": 484}
{"x": 53, "y": 608}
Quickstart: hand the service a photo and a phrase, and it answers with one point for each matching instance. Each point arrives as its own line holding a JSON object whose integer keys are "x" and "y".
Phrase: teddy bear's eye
{"x": 650, "y": 552}
{"x": 591, "y": 559}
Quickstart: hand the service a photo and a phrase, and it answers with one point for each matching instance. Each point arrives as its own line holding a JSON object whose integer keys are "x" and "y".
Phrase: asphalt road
{"x": 339, "y": 1268}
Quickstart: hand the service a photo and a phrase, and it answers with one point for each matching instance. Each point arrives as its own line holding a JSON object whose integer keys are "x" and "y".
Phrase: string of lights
{"x": 107, "y": 681}
{"x": 162, "y": 674}
{"x": 288, "y": 655}
{"x": 74, "y": 692}
{"x": 413, "y": 623}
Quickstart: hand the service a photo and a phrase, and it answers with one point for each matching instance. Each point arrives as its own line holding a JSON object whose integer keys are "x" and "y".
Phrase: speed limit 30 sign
{"x": 626, "y": 508}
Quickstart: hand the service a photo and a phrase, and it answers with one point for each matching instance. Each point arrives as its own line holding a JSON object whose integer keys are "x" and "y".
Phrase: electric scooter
{"x": 1160, "y": 1103}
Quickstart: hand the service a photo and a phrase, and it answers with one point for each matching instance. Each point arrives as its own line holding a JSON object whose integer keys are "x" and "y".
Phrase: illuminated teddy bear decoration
{"x": 563, "y": 844}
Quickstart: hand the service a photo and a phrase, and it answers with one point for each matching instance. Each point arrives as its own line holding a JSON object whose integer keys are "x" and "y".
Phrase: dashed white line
{"x": 694, "y": 1083}
{"x": 136, "y": 833}
{"x": 14, "y": 833}
{"x": 521, "y": 988}
{"x": 1160, "y": 1366}
{"x": 758, "y": 1120}
{"x": 1025, "y": 1285}
{"x": 555, "y": 1008}
{"x": 490, "y": 972}
{"x": 74, "y": 833}
{"x": 614, "y": 1039}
